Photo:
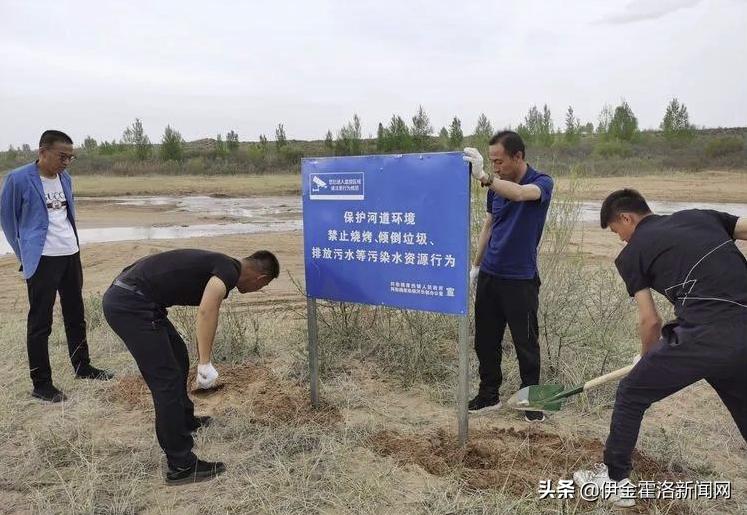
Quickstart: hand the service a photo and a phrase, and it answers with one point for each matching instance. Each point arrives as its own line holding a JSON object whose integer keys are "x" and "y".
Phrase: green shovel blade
{"x": 541, "y": 397}
{"x": 543, "y": 392}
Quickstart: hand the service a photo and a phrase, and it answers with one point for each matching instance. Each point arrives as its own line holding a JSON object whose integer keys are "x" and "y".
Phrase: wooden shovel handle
{"x": 612, "y": 376}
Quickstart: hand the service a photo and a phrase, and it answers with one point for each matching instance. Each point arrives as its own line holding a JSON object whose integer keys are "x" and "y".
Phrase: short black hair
{"x": 622, "y": 201}
{"x": 266, "y": 262}
{"x": 49, "y": 138}
{"x": 511, "y": 142}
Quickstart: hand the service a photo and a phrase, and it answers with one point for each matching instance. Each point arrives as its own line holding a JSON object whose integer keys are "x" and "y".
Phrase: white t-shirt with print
{"x": 61, "y": 239}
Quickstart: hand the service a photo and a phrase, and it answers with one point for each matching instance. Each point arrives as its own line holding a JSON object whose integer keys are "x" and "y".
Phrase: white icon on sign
{"x": 318, "y": 184}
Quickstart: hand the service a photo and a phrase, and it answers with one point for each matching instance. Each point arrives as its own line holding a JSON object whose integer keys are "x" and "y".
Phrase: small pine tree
{"x": 572, "y": 127}
{"x": 421, "y": 129}
{"x": 221, "y": 147}
{"x": 624, "y": 124}
{"x": 382, "y": 144}
{"x": 172, "y": 145}
{"x": 604, "y": 121}
{"x": 232, "y": 141}
{"x": 349, "y": 138}
{"x": 443, "y": 138}
{"x": 89, "y": 144}
{"x": 399, "y": 138}
{"x": 537, "y": 127}
{"x": 136, "y": 137}
{"x": 456, "y": 136}
{"x": 676, "y": 123}
{"x": 483, "y": 129}
{"x": 280, "y": 139}
{"x": 329, "y": 142}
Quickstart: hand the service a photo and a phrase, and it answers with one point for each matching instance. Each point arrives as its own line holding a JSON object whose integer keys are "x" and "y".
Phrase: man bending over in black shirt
{"x": 135, "y": 307}
{"x": 689, "y": 257}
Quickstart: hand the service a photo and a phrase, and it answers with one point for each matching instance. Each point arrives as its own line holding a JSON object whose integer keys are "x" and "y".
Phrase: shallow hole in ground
{"x": 268, "y": 399}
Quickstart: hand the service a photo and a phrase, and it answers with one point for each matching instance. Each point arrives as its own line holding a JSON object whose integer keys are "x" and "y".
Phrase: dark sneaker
{"x": 534, "y": 416}
{"x": 48, "y": 393}
{"x": 200, "y": 471}
{"x": 200, "y": 422}
{"x": 484, "y": 403}
{"x": 91, "y": 372}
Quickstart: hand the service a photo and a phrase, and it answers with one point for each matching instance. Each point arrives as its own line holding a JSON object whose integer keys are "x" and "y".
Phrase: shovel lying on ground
{"x": 549, "y": 397}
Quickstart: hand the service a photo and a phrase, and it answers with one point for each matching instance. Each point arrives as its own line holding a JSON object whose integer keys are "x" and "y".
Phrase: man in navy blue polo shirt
{"x": 505, "y": 265}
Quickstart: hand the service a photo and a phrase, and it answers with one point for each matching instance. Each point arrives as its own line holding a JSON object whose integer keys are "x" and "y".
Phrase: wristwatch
{"x": 487, "y": 182}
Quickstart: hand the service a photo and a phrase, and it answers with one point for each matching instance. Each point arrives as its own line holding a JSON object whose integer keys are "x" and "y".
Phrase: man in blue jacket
{"x": 38, "y": 217}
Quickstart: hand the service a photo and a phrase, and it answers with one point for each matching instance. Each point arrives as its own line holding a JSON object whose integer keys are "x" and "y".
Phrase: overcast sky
{"x": 90, "y": 68}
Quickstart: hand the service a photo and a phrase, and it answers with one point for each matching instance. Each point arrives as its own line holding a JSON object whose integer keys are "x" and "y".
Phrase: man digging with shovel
{"x": 135, "y": 307}
{"x": 689, "y": 257}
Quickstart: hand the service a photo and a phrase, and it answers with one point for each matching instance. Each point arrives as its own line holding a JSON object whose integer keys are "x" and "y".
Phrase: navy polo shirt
{"x": 517, "y": 228}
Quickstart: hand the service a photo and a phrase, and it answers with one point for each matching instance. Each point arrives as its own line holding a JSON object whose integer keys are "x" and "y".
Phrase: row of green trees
{"x": 615, "y": 126}
{"x": 618, "y": 123}
{"x": 172, "y": 147}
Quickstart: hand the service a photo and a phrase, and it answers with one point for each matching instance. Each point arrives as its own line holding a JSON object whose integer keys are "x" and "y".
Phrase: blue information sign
{"x": 388, "y": 230}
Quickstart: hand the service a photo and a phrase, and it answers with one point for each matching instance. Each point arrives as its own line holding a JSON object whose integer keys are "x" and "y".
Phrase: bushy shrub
{"x": 724, "y": 145}
{"x": 613, "y": 148}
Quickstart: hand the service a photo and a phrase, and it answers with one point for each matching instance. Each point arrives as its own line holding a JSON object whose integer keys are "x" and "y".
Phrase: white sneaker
{"x": 620, "y": 494}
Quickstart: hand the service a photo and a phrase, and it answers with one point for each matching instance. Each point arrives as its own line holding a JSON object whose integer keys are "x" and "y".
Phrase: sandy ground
{"x": 709, "y": 186}
{"x": 102, "y": 262}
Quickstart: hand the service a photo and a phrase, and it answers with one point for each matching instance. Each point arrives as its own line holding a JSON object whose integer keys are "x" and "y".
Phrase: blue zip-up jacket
{"x": 24, "y": 216}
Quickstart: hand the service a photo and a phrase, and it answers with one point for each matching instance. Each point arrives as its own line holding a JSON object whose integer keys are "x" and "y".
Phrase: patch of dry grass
{"x": 174, "y": 185}
{"x": 707, "y": 186}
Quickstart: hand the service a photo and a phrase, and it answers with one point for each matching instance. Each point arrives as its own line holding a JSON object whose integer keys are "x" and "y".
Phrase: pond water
{"x": 272, "y": 214}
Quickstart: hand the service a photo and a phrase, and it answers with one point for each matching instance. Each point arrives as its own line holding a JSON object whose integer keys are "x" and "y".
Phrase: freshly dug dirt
{"x": 268, "y": 399}
{"x": 508, "y": 460}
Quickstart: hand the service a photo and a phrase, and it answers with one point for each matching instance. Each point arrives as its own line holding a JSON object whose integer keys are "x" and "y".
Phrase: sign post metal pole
{"x": 463, "y": 384}
{"x": 463, "y": 368}
{"x": 313, "y": 350}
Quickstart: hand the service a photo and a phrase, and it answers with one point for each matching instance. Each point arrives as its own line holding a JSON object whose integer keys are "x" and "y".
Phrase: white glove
{"x": 473, "y": 273}
{"x": 472, "y": 155}
{"x": 636, "y": 359}
{"x": 206, "y": 376}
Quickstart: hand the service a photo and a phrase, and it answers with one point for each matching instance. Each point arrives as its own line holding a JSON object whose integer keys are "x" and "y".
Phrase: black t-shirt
{"x": 179, "y": 277}
{"x": 689, "y": 257}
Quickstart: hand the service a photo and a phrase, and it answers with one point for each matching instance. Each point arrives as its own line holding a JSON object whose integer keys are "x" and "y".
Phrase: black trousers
{"x": 681, "y": 357}
{"x": 163, "y": 360}
{"x": 63, "y": 274}
{"x": 499, "y": 302}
